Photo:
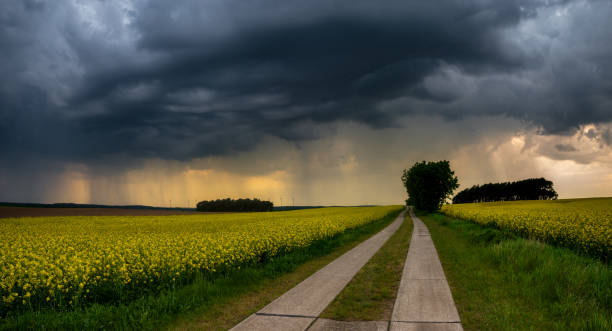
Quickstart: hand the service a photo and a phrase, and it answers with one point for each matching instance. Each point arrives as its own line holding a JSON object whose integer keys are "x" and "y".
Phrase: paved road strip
{"x": 424, "y": 300}
{"x": 298, "y": 308}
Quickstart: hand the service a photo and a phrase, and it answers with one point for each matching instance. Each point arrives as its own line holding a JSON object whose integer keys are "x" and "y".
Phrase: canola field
{"x": 60, "y": 262}
{"x": 581, "y": 224}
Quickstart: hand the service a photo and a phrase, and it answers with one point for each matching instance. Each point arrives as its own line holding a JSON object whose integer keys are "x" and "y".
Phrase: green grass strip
{"x": 208, "y": 303}
{"x": 371, "y": 293}
{"x": 502, "y": 282}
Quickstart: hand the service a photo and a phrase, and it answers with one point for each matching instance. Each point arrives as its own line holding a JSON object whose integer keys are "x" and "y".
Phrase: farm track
{"x": 424, "y": 299}
{"x": 299, "y": 307}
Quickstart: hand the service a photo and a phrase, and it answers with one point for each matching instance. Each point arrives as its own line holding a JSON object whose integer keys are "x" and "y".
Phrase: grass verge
{"x": 211, "y": 303}
{"x": 371, "y": 293}
{"x": 502, "y": 282}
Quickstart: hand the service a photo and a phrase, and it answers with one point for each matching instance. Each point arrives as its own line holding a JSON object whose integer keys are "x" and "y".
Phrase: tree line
{"x": 527, "y": 189}
{"x": 221, "y": 205}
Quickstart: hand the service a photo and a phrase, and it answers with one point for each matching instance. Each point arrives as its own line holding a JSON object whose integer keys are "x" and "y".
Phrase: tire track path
{"x": 424, "y": 300}
{"x": 299, "y": 307}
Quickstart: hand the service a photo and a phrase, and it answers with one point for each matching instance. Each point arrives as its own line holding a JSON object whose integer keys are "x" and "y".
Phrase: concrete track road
{"x": 424, "y": 300}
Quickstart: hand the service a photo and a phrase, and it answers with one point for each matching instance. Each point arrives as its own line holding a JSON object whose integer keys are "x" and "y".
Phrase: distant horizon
{"x": 61, "y": 204}
{"x": 94, "y": 205}
{"x": 127, "y": 102}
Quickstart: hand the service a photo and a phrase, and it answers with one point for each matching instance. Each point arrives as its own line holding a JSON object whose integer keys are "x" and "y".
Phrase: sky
{"x": 317, "y": 102}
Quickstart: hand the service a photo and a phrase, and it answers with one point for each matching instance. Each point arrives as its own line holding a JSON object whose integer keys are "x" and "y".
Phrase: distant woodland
{"x": 223, "y": 205}
{"x": 528, "y": 189}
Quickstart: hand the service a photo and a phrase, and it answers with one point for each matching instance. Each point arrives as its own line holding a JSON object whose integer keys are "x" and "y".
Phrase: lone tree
{"x": 429, "y": 184}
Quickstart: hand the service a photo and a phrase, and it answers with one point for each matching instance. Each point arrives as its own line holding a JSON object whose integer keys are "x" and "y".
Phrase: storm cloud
{"x": 114, "y": 84}
{"x": 191, "y": 79}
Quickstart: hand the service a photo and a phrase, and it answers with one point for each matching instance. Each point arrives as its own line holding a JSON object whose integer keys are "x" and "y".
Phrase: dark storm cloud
{"x": 607, "y": 137}
{"x": 187, "y": 79}
{"x": 565, "y": 148}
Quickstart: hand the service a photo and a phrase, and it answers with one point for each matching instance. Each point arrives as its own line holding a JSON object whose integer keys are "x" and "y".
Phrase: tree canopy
{"x": 429, "y": 184}
{"x": 527, "y": 189}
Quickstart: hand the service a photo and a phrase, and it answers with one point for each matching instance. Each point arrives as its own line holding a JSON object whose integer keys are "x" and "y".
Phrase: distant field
{"x": 66, "y": 262}
{"x": 45, "y": 210}
{"x": 39, "y": 211}
{"x": 582, "y": 224}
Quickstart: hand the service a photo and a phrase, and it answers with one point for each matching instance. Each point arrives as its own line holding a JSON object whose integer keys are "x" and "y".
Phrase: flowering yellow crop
{"x": 63, "y": 261}
{"x": 583, "y": 224}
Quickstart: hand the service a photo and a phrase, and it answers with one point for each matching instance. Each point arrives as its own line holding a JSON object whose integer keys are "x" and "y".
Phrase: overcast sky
{"x": 313, "y": 102}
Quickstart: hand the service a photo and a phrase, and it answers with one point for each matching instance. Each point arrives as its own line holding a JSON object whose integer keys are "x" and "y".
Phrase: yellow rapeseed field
{"x": 65, "y": 261}
{"x": 583, "y": 224}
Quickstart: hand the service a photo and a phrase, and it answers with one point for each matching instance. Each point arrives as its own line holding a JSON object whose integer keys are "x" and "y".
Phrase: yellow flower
{"x": 582, "y": 224}
{"x": 69, "y": 254}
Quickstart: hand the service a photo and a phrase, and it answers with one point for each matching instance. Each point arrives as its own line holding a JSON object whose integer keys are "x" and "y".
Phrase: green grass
{"x": 371, "y": 293}
{"x": 502, "y": 282}
{"x": 209, "y": 302}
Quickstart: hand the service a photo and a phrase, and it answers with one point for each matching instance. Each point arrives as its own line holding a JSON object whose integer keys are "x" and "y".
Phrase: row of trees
{"x": 430, "y": 184}
{"x": 228, "y": 204}
{"x": 528, "y": 189}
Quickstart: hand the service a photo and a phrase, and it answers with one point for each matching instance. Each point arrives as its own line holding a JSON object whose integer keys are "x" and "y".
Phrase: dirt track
{"x": 33, "y": 211}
